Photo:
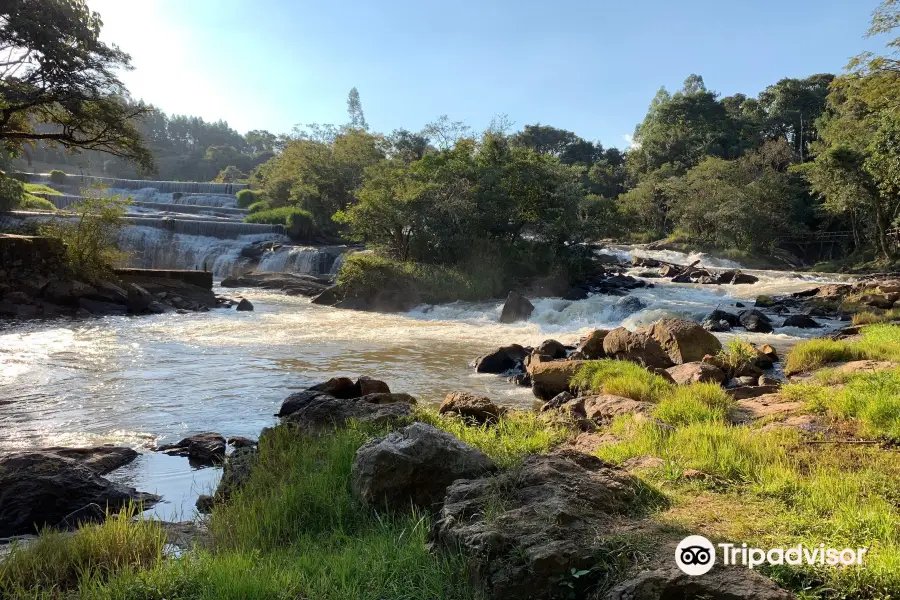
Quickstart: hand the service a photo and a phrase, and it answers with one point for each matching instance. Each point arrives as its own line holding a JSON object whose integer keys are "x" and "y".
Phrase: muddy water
{"x": 148, "y": 380}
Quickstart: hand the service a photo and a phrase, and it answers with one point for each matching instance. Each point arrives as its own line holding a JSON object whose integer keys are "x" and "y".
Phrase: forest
{"x": 732, "y": 173}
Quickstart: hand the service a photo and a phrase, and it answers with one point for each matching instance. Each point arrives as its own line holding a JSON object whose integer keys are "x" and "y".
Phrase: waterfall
{"x": 165, "y": 187}
{"x": 221, "y": 229}
{"x": 299, "y": 259}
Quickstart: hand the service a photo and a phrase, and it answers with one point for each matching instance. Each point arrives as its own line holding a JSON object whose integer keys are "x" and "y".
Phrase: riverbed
{"x": 148, "y": 380}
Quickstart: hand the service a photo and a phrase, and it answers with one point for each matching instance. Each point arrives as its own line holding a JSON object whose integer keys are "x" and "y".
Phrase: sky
{"x": 591, "y": 67}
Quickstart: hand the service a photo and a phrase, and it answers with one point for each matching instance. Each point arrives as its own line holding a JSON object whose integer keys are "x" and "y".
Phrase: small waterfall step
{"x": 166, "y": 187}
{"x": 63, "y": 201}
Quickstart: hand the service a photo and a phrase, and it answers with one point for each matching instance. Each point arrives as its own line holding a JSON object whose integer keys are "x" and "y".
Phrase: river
{"x": 154, "y": 379}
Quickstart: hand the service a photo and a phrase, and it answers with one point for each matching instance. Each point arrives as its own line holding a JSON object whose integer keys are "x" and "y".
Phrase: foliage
{"x": 736, "y": 356}
{"x": 57, "y": 177}
{"x": 869, "y": 318}
{"x": 299, "y": 222}
{"x": 879, "y": 342}
{"x": 58, "y": 83}
{"x": 40, "y": 188}
{"x": 260, "y": 206}
{"x": 91, "y": 235}
{"x": 230, "y": 174}
{"x": 12, "y": 193}
{"x": 30, "y": 202}
{"x": 247, "y": 197}
{"x": 621, "y": 378}
{"x": 695, "y": 403}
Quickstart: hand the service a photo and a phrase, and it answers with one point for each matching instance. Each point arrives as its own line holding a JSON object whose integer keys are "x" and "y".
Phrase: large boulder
{"x": 368, "y": 385}
{"x": 413, "y": 466}
{"x": 636, "y": 346}
{"x": 755, "y": 321}
{"x": 524, "y": 530}
{"x": 720, "y": 320}
{"x": 317, "y": 412}
{"x": 138, "y": 299}
{"x": 43, "y": 489}
{"x": 516, "y": 308}
{"x": 555, "y": 350}
{"x": 100, "y": 459}
{"x": 207, "y": 448}
{"x": 68, "y": 292}
{"x": 721, "y": 583}
{"x": 244, "y": 305}
{"x": 801, "y": 321}
{"x": 591, "y": 347}
{"x": 551, "y": 378}
{"x": 471, "y": 406}
{"x": 339, "y": 387}
{"x": 684, "y": 341}
{"x": 696, "y": 372}
{"x": 502, "y": 359}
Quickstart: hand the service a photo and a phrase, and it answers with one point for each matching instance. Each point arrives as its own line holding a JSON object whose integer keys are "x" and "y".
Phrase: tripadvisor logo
{"x": 696, "y": 555}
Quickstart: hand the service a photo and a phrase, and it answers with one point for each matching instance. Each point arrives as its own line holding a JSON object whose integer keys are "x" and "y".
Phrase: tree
{"x": 355, "y": 110}
{"x": 792, "y": 107}
{"x": 58, "y": 82}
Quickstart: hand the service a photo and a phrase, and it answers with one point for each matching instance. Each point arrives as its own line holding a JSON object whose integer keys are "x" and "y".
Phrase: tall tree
{"x": 355, "y": 110}
{"x": 58, "y": 82}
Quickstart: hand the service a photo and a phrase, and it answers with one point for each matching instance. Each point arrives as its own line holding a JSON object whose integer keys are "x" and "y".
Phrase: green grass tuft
{"x": 878, "y": 342}
{"x": 40, "y": 188}
{"x": 695, "y": 403}
{"x": 621, "y": 378}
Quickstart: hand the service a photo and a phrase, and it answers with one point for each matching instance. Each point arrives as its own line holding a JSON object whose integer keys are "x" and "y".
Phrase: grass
{"x": 59, "y": 561}
{"x": 696, "y": 403}
{"x": 736, "y": 356}
{"x": 516, "y": 435}
{"x": 878, "y": 342}
{"x": 40, "y": 188}
{"x": 870, "y": 318}
{"x": 621, "y": 378}
{"x": 299, "y": 222}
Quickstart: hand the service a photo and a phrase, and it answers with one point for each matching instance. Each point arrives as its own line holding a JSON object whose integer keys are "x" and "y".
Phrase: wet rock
{"x": 884, "y": 301}
{"x": 630, "y": 305}
{"x": 317, "y": 412}
{"x": 769, "y": 352}
{"x": 526, "y": 528}
{"x": 367, "y": 385}
{"x": 240, "y": 441}
{"x": 296, "y": 401}
{"x": 637, "y": 347}
{"x": 551, "y": 348}
{"x": 502, "y": 360}
{"x": 244, "y": 305}
{"x": 68, "y": 292}
{"x": 696, "y": 372}
{"x": 684, "y": 341}
{"x": 110, "y": 292}
{"x": 471, "y": 406}
{"x": 739, "y": 278}
{"x": 292, "y": 284}
{"x": 329, "y": 297}
{"x": 98, "y": 308}
{"x": 100, "y": 459}
{"x": 413, "y": 465}
{"x": 551, "y": 378}
{"x": 766, "y": 380}
{"x": 801, "y": 321}
{"x": 752, "y": 391}
{"x": 557, "y": 401}
{"x": 516, "y": 308}
{"x": 42, "y": 489}
{"x": 764, "y": 302}
{"x": 755, "y": 321}
{"x": 207, "y": 448}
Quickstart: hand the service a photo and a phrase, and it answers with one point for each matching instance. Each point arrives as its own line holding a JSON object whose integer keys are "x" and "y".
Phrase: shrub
{"x": 245, "y": 198}
{"x": 259, "y": 206}
{"x": 12, "y": 193}
{"x": 696, "y": 403}
{"x": 299, "y": 222}
{"x": 736, "y": 356}
{"x": 36, "y": 203}
{"x": 58, "y": 177}
{"x": 621, "y": 378}
{"x": 91, "y": 237}
{"x": 230, "y": 174}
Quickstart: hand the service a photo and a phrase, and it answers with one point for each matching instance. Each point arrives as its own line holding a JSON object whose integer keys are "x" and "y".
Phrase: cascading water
{"x": 165, "y": 187}
{"x": 626, "y": 253}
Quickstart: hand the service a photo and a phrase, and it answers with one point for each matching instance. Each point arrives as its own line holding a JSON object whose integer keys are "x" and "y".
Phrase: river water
{"x": 154, "y": 379}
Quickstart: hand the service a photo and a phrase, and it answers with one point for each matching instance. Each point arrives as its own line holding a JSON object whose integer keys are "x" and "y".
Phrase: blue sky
{"x": 591, "y": 67}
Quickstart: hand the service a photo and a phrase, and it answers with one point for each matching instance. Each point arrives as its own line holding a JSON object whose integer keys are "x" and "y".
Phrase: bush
{"x": 58, "y": 177}
{"x": 36, "y": 203}
{"x": 299, "y": 222}
{"x": 259, "y": 206}
{"x": 621, "y": 378}
{"x": 91, "y": 238}
{"x": 366, "y": 275}
{"x": 245, "y": 198}
{"x": 18, "y": 176}
{"x": 230, "y": 174}
{"x": 12, "y": 193}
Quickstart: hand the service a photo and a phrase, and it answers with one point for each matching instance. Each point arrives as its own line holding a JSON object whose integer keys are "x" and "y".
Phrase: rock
{"x": 557, "y": 401}
{"x": 885, "y": 301}
{"x": 501, "y": 360}
{"x": 42, "y": 489}
{"x": 110, "y": 292}
{"x": 589, "y": 443}
{"x": 766, "y": 380}
{"x": 716, "y": 317}
{"x": 752, "y": 391}
{"x": 592, "y": 346}
{"x": 204, "y": 504}
{"x": 684, "y": 341}
{"x": 99, "y": 459}
{"x": 551, "y": 348}
{"x": 669, "y": 271}
{"x": 96, "y": 307}
{"x": 239, "y": 441}
{"x": 638, "y": 261}
{"x": 605, "y": 407}
{"x": 801, "y": 321}
{"x": 743, "y": 380}
{"x": 317, "y": 412}
{"x": 516, "y": 308}
{"x": 366, "y": 385}
{"x": 244, "y": 305}
{"x": 329, "y": 297}
{"x": 292, "y": 284}
{"x": 643, "y": 463}
{"x": 208, "y": 448}
{"x": 630, "y": 305}
{"x": 471, "y": 406}
{"x": 342, "y": 388}
{"x": 721, "y": 583}
{"x": 769, "y": 352}
{"x": 637, "y": 347}
{"x": 138, "y": 299}
{"x": 742, "y": 279}
{"x": 696, "y": 372}
{"x": 524, "y": 530}
{"x": 764, "y": 302}
{"x": 755, "y": 321}
{"x": 296, "y": 401}
{"x": 413, "y": 465}
{"x": 551, "y": 378}
{"x": 68, "y": 292}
